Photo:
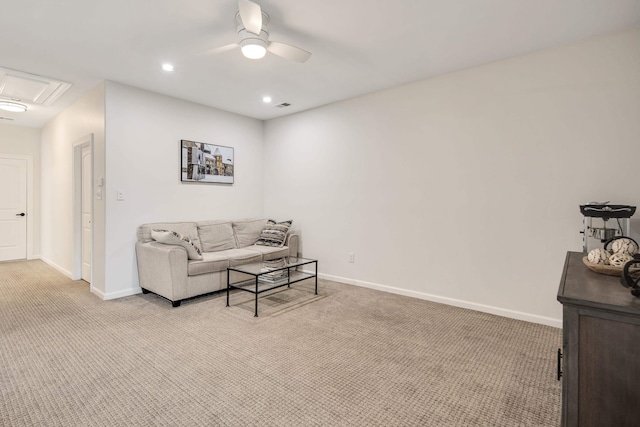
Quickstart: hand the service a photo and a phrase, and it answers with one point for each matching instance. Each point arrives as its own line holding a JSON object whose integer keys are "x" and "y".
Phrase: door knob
{"x": 21, "y": 214}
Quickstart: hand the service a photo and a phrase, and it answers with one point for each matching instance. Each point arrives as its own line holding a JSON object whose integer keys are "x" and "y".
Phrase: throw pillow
{"x": 169, "y": 237}
{"x": 274, "y": 233}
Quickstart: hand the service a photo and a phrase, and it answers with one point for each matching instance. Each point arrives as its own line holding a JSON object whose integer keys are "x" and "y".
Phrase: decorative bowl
{"x": 609, "y": 270}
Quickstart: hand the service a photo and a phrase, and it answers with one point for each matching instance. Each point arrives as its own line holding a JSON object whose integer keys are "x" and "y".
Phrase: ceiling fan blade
{"x": 289, "y": 52}
{"x": 251, "y": 15}
{"x": 220, "y": 49}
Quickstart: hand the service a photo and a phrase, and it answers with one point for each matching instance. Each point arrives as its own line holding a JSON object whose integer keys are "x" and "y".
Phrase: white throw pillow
{"x": 169, "y": 237}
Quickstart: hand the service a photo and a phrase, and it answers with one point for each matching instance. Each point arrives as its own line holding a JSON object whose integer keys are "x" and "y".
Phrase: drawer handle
{"x": 559, "y": 364}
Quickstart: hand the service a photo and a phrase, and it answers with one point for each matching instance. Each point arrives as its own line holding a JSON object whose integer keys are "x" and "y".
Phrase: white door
{"x": 13, "y": 209}
{"x": 86, "y": 213}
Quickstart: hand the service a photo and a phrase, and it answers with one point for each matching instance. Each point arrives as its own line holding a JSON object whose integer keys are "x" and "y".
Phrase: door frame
{"x": 30, "y": 210}
{"x": 85, "y": 141}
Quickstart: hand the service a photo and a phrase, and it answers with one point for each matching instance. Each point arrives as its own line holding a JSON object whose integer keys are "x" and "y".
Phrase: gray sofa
{"x": 166, "y": 270}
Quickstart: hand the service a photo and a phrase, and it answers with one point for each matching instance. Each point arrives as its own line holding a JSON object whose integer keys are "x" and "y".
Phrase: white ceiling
{"x": 359, "y": 46}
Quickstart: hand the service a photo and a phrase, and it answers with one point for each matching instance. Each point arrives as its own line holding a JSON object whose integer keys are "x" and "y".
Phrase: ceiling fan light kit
{"x": 13, "y": 107}
{"x": 253, "y": 48}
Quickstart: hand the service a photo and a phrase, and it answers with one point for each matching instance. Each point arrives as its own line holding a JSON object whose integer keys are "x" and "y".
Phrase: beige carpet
{"x": 348, "y": 357}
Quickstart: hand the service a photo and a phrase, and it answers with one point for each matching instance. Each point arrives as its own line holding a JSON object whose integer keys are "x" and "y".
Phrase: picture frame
{"x": 206, "y": 163}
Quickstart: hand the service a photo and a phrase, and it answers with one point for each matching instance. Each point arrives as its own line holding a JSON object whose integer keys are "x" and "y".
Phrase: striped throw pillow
{"x": 274, "y": 233}
{"x": 169, "y": 237}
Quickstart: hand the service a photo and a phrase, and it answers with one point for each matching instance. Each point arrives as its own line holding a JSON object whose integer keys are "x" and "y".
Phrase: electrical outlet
{"x": 120, "y": 195}
{"x": 352, "y": 257}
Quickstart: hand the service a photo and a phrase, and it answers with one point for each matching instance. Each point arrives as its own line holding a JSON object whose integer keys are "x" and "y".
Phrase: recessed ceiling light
{"x": 167, "y": 67}
{"x": 266, "y": 99}
{"x": 14, "y": 107}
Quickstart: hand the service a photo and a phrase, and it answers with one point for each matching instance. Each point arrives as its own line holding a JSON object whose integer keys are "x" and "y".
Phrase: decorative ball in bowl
{"x": 611, "y": 260}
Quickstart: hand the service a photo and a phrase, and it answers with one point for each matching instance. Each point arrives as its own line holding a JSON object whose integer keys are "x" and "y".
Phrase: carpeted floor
{"x": 347, "y": 357}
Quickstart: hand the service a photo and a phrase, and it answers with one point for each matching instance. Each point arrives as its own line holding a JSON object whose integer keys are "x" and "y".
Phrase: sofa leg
{"x": 176, "y": 303}
{"x": 145, "y": 291}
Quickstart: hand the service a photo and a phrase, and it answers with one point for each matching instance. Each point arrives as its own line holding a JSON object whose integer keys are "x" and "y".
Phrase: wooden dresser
{"x": 601, "y": 349}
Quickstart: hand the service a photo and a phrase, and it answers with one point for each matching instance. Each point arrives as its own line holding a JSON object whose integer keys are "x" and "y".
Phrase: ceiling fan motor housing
{"x": 245, "y": 35}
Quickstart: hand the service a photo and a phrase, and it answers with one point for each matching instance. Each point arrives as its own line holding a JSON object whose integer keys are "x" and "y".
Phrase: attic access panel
{"x": 31, "y": 88}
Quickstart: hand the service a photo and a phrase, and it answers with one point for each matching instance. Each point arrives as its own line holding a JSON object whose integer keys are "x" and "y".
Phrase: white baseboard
{"x": 97, "y": 292}
{"x": 57, "y": 267}
{"x": 512, "y": 314}
{"x": 114, "y": 295}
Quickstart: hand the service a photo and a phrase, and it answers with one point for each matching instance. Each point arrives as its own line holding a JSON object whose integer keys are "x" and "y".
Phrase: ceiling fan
{"x": 253, "y": 31}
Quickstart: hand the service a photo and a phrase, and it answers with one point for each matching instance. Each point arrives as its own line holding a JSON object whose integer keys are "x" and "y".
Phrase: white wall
{"x": 144, "y": 130}
{"x": 465, "y": 188}
{"x": 85, "y": 117}
{"x": 24, "y": 141}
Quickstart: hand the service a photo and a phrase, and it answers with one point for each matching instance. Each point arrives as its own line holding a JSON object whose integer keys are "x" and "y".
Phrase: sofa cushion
{"x": 242, "y": 256}
{"x": 188, "y": 229}
{"x": 270, "y": 252}
{"x": 247, "y": 231}
{"x": 211, "y": 262}
{"x": 274, "y": 233}
{"x": 172, "y": 238}
{"x": 216, "y": 235}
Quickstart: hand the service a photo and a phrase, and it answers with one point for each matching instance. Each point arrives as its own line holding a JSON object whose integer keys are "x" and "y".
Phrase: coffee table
{"x": 258, "y": 279}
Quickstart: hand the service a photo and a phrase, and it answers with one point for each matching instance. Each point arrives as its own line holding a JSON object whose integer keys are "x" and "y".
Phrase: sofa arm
{"x": 162, "y": 269}
{"x": 293, "y": 242}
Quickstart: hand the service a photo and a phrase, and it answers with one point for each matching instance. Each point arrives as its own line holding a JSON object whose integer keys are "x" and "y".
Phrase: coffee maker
{"x": 597, "y": 226}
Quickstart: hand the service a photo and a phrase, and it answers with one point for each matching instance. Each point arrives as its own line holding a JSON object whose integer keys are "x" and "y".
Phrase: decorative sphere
{"x": 619, "y": 259}
{"x": 598, "y": 256}
{"x": 625, "y": 246}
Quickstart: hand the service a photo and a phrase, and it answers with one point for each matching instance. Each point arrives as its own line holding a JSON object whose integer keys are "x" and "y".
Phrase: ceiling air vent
{"x": 26, "y": 87}
{"x": 283, "y": 105}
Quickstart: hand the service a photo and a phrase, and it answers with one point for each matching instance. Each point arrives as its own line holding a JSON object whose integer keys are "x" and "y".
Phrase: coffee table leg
{"x": 256, "y": 297}
{"x": 227, "y": 288}
{"x": 316, "y": 277}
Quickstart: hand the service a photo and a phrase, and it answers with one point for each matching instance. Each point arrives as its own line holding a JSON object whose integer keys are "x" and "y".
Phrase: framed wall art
{"x": 206, "y": 163}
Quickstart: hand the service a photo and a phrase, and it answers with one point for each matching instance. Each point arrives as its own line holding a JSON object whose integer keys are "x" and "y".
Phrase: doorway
{"x": 83, "y": 208}
{"x": 13, "y": 207}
